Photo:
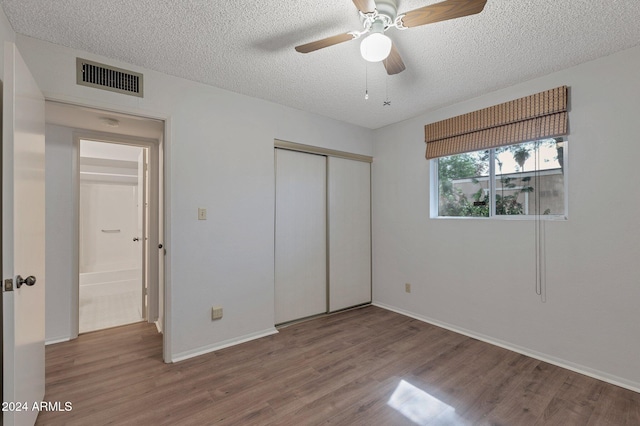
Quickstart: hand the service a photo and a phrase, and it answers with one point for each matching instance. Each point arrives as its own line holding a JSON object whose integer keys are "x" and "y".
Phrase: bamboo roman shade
{"x": 539, "y": 116}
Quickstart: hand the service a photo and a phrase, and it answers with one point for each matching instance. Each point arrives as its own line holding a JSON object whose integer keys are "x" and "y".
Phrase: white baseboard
{"x": 57, "y": 340}
{"x": 158, "y": 326}
{"x": 181, "y": 356}
{"x": 596, "y": 374}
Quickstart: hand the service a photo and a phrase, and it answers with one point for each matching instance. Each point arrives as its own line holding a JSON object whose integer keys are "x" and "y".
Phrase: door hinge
{"x": 8, "y": 285}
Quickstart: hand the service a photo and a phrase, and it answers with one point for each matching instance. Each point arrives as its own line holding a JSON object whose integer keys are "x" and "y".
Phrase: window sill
{"x": 551, "y": 218}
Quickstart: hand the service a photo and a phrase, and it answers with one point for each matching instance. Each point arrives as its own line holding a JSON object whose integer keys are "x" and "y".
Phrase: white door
{"x": 349, "y": 233}
{"x": 142, "y": 225}
{"x": 23, "y": 225}
{"x": 300, "y": 247}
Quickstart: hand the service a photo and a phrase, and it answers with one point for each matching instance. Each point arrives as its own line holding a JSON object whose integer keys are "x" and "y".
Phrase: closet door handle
{"x": 136, "y": 239}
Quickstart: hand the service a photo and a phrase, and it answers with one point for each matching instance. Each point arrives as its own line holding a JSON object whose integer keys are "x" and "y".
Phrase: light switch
{"x": 202, "y": 214}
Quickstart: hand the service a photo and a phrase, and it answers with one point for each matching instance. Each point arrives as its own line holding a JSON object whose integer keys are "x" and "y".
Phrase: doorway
{"x": 113, "y": 235}
{"x": 106, "y": 170}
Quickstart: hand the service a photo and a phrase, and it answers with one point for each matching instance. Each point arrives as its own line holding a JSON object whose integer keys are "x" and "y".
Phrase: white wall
{"x": 110, "y": 207}
{"x": 61, "y": 231}
{"x": 6, "y": 34}
{"x": 477, "y": 275}
{"x": 109, "y": 201}
{"x": 219, "y": 155}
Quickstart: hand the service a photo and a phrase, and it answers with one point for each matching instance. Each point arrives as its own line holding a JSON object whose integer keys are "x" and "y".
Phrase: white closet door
{"x": 349, "y": 233}
{"x": 301, "y": 239}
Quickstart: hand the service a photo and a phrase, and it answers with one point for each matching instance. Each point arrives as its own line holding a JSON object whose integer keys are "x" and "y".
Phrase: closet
{"x": 322, "y": 232}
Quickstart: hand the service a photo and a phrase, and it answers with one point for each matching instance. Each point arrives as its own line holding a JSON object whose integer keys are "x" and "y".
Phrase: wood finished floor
{"x": 362, "y": 367}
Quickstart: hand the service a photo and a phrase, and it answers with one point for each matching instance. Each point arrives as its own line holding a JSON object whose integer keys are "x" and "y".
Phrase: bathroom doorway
{"x": 113, "y": 218}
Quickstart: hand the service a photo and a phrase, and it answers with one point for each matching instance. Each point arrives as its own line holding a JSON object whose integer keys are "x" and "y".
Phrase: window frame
{"x": 434, "y": 192}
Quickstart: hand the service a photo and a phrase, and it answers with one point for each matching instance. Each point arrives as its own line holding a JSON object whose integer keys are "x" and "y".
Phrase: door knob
{"x": 29, "y": 281}
{"x": 136, "y": 239}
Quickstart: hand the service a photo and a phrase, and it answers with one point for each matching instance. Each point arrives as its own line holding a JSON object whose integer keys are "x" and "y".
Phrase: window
{"x": 524, "y": 179}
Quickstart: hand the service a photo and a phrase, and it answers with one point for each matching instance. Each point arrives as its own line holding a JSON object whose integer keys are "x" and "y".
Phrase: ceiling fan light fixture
{"x": 375, "y": 47}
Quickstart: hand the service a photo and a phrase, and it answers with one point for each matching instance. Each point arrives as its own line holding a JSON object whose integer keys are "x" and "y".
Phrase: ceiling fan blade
{"x": 325, "y": 42}
{"x": 365, "y": 6}
{"x": 443, "y": 11}
{"x": 393, "y": 63}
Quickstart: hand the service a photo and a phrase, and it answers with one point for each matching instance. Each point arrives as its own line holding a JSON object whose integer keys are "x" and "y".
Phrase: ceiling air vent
{"x": 110, "y": 78}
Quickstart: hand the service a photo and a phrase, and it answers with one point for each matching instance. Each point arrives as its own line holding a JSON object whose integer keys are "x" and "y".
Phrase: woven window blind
{"x": 539, "y": 116}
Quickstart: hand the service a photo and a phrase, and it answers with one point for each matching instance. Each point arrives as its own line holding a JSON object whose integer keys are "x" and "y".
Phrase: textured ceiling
{"x": 248, "y": 47}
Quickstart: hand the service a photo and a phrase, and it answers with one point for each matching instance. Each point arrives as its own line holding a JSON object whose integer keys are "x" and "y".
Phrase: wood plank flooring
{"x": 362, "y": 367}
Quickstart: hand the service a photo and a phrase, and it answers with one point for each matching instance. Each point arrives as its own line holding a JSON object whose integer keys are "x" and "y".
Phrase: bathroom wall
{"x": 108, "y": 224}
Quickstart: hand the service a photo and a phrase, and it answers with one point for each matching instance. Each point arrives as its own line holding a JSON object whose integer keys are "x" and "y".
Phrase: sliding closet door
{"x": 349, "y": 233}
{"x": 300, "y": 247}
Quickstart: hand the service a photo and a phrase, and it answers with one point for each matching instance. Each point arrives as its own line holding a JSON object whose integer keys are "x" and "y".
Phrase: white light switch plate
{"x": 202, "y": 214}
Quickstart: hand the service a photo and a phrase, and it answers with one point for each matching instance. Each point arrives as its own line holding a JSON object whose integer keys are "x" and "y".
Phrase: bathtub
{"x": 110, "y": 299}
{"x": 106, "y": 277}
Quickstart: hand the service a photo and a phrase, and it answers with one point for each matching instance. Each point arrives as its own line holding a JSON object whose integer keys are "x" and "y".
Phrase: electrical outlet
{"x": 202, "y": 214}
{"x": 407, "y": 287}
{"x": 216, "y": 312}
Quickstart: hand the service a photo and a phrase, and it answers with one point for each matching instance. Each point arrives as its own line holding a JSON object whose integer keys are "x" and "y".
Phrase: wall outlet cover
{"x": 216, "y": 313}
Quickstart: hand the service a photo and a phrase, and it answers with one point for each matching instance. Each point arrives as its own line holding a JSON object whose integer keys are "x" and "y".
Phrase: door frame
{"x": 1, "y": 253}
{"x": 165, "y": 200}
{"x": 154, "y": 237}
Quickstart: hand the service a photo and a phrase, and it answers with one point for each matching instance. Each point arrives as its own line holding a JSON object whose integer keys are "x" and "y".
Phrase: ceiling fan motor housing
{"x": 388, "y": 10}
{"x": 380, "y": 20}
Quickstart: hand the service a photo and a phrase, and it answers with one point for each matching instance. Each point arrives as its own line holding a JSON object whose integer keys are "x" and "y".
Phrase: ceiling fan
{"x": 378, "y": 16}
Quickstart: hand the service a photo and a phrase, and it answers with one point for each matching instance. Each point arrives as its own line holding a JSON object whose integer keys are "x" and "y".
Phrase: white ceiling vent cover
{"x": 105, "y": 77}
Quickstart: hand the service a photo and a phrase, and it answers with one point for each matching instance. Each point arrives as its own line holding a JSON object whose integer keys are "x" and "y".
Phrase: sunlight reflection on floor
{"x": 422, "y": 408}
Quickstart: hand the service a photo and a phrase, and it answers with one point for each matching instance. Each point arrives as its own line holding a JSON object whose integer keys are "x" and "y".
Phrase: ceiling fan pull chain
{"x": 386, "y": 102}
{"x": 366, "y": 81}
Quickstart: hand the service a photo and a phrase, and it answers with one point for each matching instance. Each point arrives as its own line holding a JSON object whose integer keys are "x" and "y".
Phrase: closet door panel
{"x": 349, "y": 233}
{"x": 300, "y": 236}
